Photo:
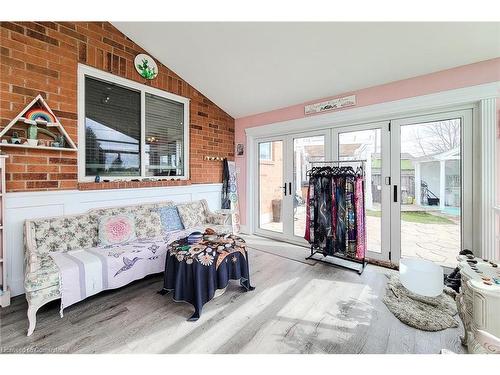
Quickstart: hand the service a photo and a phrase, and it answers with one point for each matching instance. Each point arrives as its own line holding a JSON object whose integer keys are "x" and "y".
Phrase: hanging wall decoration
{"x": 330, "y": 105}
{"x": 240, "y": 149}
{"x": 146, "y": 66}
{"x": 36, "y": 126}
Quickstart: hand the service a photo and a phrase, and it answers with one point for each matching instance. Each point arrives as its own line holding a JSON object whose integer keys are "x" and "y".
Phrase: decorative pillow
{"x": 64, "y": 233}
{"x": 170, "y": 219}
{"x": 192, "y": 214}
{"x": 116, "y": 229}
{"x": 147, "y": 223}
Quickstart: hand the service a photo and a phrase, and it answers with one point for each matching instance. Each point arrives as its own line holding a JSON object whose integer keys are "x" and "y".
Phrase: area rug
{"x": 424, "y": 313}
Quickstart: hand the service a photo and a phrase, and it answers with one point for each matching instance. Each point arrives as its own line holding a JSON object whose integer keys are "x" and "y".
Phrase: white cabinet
{"x": 478, "y": 305}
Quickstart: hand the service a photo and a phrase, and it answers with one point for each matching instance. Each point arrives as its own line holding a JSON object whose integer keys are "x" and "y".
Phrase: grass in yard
{"x": 416, "y": 217}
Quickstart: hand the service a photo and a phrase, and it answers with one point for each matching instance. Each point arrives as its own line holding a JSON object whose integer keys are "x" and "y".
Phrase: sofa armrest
{"x": 211, "y": 217}
{"x": 217, "y": 219}
{"x": 30, "y": 255}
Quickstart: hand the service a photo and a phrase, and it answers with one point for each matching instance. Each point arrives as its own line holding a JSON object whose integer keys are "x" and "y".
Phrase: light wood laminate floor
{"x": 297, "y": 307}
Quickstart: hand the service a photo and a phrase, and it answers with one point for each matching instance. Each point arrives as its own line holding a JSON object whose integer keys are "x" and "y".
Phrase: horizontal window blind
{"x": 112, "y": 129}
{"x": 164, "y": 136}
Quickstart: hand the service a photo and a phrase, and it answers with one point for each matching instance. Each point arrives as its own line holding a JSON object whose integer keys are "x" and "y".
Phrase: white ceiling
{"x": 248, "y": 68}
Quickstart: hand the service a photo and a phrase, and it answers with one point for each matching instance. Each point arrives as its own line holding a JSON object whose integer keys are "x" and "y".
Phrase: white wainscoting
{"x": 32, "y": 205}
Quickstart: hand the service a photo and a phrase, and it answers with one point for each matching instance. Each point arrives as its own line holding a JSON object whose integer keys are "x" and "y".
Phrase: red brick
{"x": 41, "y": 184}
{"x": 43, "y": 59}
{"x": 29, "y": 176}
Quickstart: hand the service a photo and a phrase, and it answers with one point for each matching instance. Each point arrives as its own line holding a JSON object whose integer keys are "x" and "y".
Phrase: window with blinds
{"x": 164, "y": 136}
{"x": 132, "y": 132}
{"x": 112, "y": 129}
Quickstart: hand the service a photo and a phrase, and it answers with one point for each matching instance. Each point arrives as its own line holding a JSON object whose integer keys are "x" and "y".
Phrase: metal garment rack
{"x": 330, "y": 258}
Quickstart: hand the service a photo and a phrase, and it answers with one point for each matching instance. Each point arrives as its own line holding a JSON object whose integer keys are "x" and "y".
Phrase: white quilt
{"x": 86, "y": 272}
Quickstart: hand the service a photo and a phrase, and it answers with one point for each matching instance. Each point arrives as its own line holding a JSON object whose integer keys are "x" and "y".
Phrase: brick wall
{"x": 42, "y": 58}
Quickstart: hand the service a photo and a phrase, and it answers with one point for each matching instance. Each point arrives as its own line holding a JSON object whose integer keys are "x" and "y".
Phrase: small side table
{"x": 194, "y": 273}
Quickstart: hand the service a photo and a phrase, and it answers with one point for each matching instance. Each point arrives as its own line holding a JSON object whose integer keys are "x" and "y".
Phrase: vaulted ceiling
{"x": 248, "y": 68}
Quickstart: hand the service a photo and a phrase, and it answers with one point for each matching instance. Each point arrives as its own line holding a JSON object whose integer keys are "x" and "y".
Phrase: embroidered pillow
{"x": 116, "y": 229}
{"x": 170, "y": 219}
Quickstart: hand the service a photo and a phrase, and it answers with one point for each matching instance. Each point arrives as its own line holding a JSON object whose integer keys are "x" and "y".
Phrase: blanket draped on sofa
{"x": 86, "y": 272}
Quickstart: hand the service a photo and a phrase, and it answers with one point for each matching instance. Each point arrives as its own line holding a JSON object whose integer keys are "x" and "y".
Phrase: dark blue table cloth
{"x": 194, "y": 272}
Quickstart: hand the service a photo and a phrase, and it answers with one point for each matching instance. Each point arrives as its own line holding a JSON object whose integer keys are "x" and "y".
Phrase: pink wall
{"x": 462, "y": 76}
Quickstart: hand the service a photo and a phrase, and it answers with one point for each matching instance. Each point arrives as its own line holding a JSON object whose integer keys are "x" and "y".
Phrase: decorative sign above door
{"x": 329, "y": 105}
{"x": 146, "y": 66}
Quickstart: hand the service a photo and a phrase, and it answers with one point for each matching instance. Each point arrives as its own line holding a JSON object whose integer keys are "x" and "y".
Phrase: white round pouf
{"x": 422, "y": 277}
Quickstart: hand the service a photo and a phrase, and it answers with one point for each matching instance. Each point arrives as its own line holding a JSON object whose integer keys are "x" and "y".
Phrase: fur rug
{"x": 425, "y": 313}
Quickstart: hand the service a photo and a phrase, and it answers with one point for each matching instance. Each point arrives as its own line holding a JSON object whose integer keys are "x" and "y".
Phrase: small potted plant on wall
{"x": 33, "y": 135}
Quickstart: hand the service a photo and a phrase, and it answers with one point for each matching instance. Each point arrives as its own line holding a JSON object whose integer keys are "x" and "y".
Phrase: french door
{"x": 418, "y": 189}
{"x": 371, "y": 142}
{"x": 432, "y": 182}
{"x": 282, "y": 165}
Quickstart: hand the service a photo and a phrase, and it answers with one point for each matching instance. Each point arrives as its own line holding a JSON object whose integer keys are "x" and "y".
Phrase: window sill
{"x": 130, "y": 184}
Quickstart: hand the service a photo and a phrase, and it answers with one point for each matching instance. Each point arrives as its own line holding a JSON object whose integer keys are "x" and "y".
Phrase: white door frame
{"x": 384, "y": 255}
{"x": 284, "y": 207}
{"x": 466, "y": 166}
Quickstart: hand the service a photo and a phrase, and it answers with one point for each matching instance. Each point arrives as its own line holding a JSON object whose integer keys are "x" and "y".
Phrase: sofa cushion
{"x": 170, "y": 219}
{"x": 44, "y": 277}
{"x": 147, "y": 220}
{"x": 64, "y": 233}
{"x": 116, "y": 229}
{"x": 192, "y": 214}
{"x": 147, "y": 223}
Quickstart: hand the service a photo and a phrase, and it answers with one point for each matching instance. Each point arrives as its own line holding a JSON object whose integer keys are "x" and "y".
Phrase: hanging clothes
{"x": 225, "y": 201}
{"x": 359, "y": 197}
{"x": 350, "y": 249}
{"x": 341, "y": 220}
{"x": 335, "y": 212}
{"x": 307, "y": 234}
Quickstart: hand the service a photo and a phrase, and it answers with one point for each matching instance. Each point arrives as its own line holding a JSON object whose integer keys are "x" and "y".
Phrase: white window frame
{"x": 86, "y": 71}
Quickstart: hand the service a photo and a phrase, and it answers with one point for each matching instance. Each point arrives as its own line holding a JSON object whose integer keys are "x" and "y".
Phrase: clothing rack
{"x": 347, "y": 262}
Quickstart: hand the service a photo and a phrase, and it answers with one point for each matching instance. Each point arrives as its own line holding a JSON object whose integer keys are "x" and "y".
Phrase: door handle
{"x": 395, "y": 193}
{"x": 290, "y": 188}
{"x": 284, "y": 188}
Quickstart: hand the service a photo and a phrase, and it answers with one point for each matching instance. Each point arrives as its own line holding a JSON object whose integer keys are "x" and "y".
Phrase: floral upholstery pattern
{"x": 147, "y": 224}
{"x": 210, "y": 217}
{"x": 170, "y": 219}
{"x": 64, "y": 233}
{"x": 45, "y": 276}
{"x": 116, "y": 229}
{"x": 192, "y": 214}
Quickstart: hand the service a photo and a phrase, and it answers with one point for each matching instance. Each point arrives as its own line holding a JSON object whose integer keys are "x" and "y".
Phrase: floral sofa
{"x": 70, "y": 233}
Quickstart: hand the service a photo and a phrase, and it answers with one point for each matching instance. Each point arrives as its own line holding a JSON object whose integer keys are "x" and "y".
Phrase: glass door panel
{"x": 305, "y": 151}
{"x": 430, "y": 190}
{"x": 365, "y": 145}
{"x": 371, "y": 143}
{"x": 271, "y": 185}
